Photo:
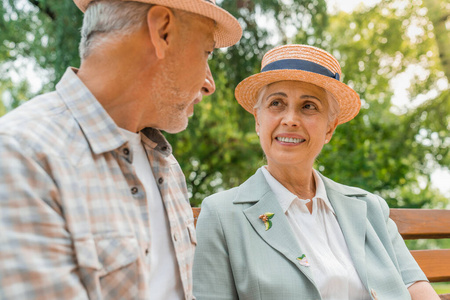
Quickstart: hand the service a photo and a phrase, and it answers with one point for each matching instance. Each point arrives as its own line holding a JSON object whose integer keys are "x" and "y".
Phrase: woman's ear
{"x": 161, "y": 23}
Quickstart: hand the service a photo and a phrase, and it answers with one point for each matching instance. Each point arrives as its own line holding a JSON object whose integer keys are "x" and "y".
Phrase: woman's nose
{"x": 291, "y": 118}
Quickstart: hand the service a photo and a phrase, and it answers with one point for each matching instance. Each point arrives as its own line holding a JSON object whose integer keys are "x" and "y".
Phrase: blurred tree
{"x": 439, "y": 15}
{"x": 36, "y": 34}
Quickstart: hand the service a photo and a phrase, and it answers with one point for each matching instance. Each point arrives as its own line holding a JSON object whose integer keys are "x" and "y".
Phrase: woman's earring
{"x": 326, "y": 141}
{"x": 257, "y": 133}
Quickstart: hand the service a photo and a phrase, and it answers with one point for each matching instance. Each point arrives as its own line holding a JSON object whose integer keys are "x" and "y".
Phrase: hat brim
{"x": 349, "y": 102}
{"x": 228, "y": 30}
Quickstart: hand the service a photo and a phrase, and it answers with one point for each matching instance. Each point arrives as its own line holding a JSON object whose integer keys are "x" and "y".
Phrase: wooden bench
{"x": 416, "y": 224}
{"x": 420, "y": 224}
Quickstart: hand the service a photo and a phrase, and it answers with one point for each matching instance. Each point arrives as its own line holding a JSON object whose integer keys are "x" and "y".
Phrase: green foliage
{"x": 14, "y": 94}
{"x": 42, "y": 32}
{"x": 441, "y": 287}
{"x": 385, "y": 150}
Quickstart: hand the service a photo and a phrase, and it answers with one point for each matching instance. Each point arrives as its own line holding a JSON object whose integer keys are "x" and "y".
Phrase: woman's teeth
{"x": 289, "y": 140}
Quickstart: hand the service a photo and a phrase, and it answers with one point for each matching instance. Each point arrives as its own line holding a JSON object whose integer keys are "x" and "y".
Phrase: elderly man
{"x": 92, "y": 203}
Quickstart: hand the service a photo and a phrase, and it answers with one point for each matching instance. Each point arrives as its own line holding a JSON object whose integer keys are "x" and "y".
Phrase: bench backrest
{"x": 420, "y": 224}
{"x": 426, "y": 224}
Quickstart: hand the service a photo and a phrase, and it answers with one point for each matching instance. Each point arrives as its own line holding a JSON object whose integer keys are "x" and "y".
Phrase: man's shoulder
{"x": 42, "y": 124}
{"x": 36, "y": 111}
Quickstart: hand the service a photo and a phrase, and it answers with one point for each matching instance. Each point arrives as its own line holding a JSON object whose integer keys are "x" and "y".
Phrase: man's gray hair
{"x": 104, "y": 20}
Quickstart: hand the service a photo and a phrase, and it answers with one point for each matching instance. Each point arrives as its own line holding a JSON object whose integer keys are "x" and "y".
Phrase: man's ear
{"x": 160, "y": 22}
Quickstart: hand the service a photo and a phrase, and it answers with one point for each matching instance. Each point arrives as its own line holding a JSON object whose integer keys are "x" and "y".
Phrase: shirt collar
{"x": 321, "y": 192}
{"x": 101, "y": 131}
{"x": 285, "y": 197}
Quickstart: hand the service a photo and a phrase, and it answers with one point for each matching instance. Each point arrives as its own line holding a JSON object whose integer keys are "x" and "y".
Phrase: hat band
{"x": 300, "y": 64}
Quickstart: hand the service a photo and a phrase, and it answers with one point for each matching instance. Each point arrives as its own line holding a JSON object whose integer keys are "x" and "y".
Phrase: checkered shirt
{"x": 74, "y": 218}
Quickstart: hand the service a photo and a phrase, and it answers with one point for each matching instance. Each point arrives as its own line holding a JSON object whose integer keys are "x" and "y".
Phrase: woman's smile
{"x": 290, "y": 140}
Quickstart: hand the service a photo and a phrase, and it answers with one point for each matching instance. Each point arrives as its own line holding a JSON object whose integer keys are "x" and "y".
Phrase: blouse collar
{"x": 285, "y": 197}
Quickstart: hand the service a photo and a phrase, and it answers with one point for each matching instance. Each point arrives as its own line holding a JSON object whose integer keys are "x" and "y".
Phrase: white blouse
{"x": 320, "y": 237}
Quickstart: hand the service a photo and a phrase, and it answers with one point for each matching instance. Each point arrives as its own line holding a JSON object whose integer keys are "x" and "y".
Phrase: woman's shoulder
{"x": 222, "y": 198}
{"x": 248, "y": 192}
{"x": 343, "y": 188}
{"x": 372, "y": 200}
{"x": 221, "y": 206}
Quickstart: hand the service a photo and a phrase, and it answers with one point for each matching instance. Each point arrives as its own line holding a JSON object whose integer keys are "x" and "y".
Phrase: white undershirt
{"x": 320, "y": 237}
{"x": 165, "y": 282}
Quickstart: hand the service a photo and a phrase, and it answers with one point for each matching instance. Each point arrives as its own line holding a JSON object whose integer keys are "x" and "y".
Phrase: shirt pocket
{"x": 110, "y": 266}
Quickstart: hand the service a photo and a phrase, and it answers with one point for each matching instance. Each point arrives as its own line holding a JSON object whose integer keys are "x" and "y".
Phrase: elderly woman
{"x": 289, "y": 232}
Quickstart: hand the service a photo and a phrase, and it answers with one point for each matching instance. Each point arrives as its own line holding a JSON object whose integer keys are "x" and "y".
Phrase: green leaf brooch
{"x": 303, "y": 260}
{"x": 266, "y": 219}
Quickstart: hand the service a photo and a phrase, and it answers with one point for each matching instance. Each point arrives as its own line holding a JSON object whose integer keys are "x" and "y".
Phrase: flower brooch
{"x": 303, "y": 260}
{"x": 266, "y": 219}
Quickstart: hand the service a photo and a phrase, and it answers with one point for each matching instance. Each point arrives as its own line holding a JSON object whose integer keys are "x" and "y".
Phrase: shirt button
{"x": 147, "y": 251}
{"x": 164, "y": 148}
{"x": 134, "y": 190}
{"x": 126, "y": 151}
{"x": 160, "y": 180}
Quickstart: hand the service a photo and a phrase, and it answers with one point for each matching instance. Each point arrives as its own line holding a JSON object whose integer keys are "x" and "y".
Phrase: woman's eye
{"x": 310, "y": 106}
{"x": 275, "y": 103}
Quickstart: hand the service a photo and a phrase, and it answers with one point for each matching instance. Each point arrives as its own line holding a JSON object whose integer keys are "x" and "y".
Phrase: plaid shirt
{"x": 74, "y": 218}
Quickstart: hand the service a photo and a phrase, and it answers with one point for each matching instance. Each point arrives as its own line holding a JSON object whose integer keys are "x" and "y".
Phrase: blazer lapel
{"x": 280, "y": 235}
{"x": 351, "y": 214}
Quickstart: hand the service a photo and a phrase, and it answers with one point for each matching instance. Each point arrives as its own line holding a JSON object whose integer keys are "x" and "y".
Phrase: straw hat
{"x": 300, "y": 63}
{"x": 228, "y": 31}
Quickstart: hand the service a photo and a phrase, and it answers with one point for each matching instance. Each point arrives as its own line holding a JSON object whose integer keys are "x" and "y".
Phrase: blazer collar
{"x": 256, "y": 186}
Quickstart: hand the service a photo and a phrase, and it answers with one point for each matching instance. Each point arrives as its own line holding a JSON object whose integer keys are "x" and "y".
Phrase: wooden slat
{"x": 444, "y": 296}
{"x": 434, "y": 263}
{"x": 422, "y": 223}
{"x": 196, "y": 212}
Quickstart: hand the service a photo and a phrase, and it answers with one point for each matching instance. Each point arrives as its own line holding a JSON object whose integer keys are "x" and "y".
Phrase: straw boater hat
{"x": 300, "y": 63}
{"x": 228, "y": 31}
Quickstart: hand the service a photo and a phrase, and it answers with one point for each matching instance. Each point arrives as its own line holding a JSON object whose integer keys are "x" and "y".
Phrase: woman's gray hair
{"x": 333, "y": 111}
{"x": 333, "y": 107}
{"x": 104, "y": 20}
{"x": 259, "y": 97}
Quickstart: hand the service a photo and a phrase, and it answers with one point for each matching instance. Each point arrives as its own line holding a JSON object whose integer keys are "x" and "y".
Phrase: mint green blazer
{"x": 236, "y": 258}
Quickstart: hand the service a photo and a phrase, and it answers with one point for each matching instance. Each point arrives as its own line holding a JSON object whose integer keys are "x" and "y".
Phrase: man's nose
{"x": 209, "y": 86}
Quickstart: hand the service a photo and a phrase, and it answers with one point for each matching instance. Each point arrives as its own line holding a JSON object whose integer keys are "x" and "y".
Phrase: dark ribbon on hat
{"x": 300, "y": 64}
